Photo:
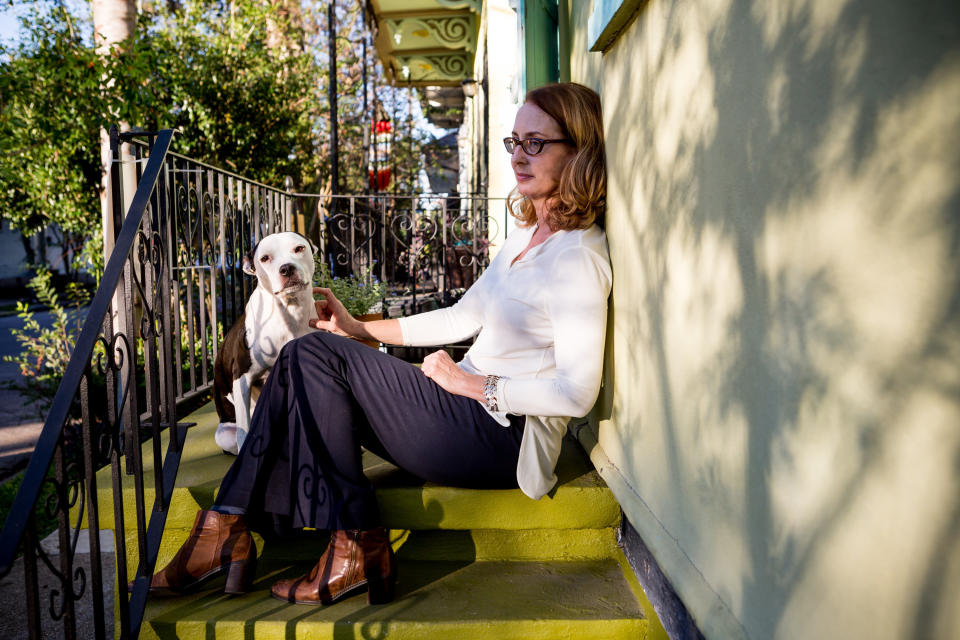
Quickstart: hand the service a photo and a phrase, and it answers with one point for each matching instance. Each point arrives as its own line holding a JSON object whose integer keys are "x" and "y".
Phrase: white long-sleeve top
{"x": 540, "y": 323}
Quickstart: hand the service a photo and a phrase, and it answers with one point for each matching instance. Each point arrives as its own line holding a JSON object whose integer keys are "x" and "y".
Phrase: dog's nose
{"x": 287, "y": 270}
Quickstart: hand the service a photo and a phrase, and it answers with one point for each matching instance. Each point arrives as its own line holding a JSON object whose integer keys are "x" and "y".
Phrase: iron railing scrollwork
{"x": 425, "y": 248}
{"x": 170, "y": 288}
{"x": 173, "y": 284}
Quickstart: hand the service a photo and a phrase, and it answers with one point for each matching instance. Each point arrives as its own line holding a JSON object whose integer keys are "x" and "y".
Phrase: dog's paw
{"x": 226, "y": 437}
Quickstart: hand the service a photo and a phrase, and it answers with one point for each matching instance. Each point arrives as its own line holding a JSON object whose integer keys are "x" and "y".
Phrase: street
{"x": 20, "y": 421}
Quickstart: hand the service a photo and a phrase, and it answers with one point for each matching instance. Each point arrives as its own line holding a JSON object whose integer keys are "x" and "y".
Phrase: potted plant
{"x": 359, "y": 293}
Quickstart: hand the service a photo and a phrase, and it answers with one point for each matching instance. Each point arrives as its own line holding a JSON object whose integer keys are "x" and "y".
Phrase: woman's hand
{"x": 440, "y": 367}
{"x": 332, "y": 316}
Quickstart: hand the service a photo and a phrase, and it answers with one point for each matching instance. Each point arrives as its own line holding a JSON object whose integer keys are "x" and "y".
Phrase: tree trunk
{"x": 114, "y": 21}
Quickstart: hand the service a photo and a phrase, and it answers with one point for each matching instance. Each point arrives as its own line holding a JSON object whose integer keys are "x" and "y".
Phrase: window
{"x": 608, "y": 20}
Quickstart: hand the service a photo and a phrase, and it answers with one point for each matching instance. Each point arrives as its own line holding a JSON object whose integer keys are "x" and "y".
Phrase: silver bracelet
{"x": 490, "y": 392}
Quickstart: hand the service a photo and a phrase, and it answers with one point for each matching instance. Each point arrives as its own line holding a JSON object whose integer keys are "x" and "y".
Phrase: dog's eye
{"x": 264, "y": 258}
{"x": 299, "y": 249}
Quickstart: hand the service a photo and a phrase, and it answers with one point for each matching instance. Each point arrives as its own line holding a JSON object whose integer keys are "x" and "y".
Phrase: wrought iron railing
{"x": 172, "y": 286}
{"x": 146, "y": 347}
{"x": 427, "y": 248}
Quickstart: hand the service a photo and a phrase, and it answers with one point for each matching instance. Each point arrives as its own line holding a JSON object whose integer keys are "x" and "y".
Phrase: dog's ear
{"x": 248, "y": 266}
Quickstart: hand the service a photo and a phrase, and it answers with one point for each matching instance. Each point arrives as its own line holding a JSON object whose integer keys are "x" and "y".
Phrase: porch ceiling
{"x": 427, "y": 42}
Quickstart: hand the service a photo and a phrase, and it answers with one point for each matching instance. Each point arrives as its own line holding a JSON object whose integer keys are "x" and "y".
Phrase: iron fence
{"x": 147, "y": 346}
{"x": 171, "y": 287}
{"x": 426, "y": 248}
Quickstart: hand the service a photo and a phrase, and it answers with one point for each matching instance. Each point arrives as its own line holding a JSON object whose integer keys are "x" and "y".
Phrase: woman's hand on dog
{"x": 440, "y": 367}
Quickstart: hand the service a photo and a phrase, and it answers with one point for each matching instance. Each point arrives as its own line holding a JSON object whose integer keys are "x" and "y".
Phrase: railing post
{"x": 132, "y": 407}
{"x": 121, "y": 296}
{"x": 116, "y": 184}
{"x": 383, "y": 238}
{"x": 288, "y": 205}
{"x": 168, "y": 288}
{"x": 443, "y": 251}
{"x": 114, "y": 425}
{"x": 90, "y": 458}
{"x": 31, "y": 583}
{"x": 66, "y": 557}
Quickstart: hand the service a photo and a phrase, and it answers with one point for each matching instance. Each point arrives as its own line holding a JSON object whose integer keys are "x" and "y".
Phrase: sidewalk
{"x": 20, "y": 423}
{"x": 20, "y": 426}
{"x": 13, "y": 622}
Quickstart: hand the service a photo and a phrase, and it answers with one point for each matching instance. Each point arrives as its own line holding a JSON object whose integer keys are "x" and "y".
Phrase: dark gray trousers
{"x": 327, "y": 396}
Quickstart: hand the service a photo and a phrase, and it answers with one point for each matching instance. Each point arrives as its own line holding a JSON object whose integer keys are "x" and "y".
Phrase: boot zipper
{"x": 353, "y": 554}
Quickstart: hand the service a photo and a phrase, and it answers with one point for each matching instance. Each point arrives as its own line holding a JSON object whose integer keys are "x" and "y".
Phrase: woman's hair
{"x": 581, "y": 195}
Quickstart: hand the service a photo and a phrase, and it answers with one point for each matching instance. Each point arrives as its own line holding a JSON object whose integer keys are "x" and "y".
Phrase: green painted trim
{"x": 563, "y": 39}
{"x": 540, "y": 45}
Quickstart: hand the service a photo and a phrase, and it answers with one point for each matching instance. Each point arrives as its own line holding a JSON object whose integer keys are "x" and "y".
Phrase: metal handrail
{"x": 80, "y": 358}
{"x": 428, "y": 248}
{"x": 175, "y": 275}
{"x": 48, "y": 449}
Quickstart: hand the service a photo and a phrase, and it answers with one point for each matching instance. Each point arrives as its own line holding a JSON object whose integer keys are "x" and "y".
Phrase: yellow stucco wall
{"x": 780, "y": 417}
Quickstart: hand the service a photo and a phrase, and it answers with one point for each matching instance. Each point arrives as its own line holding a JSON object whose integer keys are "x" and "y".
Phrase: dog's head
{"x": 282, "y": 262}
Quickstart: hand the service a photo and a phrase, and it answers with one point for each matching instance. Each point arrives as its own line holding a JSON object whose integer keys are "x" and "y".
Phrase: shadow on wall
{"x": 786, "y": 335}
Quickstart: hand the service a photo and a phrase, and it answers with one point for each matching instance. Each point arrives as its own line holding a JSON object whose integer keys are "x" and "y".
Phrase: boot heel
{"x": 240, "y": 576}
{"x": 381, "y": 589}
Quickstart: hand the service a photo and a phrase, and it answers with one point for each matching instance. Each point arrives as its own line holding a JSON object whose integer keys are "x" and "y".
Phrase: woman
{"x": 494, "y": 420}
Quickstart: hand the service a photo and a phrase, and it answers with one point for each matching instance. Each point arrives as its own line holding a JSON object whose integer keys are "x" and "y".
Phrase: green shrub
{"x": 358, "y": 293}
{"x": 46, "y": 351}
{"x": 46, "y": 522}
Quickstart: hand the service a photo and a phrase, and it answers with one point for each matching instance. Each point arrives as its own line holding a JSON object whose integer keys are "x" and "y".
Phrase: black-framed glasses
{"x": 530, "y": 146}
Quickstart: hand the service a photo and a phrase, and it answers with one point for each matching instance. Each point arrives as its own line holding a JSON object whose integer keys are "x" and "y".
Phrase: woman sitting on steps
{"x": 494, "y": 420}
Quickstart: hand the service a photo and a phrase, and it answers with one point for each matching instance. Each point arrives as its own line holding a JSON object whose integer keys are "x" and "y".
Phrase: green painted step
{"x": 447, "y": 546}
{"x": 473, "y": 564}
{"x": 580, "y": 501}
{"x": 435, "y": 600}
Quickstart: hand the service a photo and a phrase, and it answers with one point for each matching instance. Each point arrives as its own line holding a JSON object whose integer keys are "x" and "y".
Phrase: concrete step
{"x": 580, "y": 501}
{"x": 433, "y": 546}
{"x": 473, "y": 564}
{"x": 435, "y": 600}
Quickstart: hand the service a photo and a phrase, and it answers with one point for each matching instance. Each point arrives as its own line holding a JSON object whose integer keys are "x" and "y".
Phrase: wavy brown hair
{"x": 582, "y": 193}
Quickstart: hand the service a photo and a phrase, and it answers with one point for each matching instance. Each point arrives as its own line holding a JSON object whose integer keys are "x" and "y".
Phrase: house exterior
{"x": 466, "y": 54}
{"x": 780, "y": 415}
{"x": 15, "y": 261}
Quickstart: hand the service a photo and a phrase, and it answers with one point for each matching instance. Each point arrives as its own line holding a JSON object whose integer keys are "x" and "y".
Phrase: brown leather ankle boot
{"x": 218, "y": 544}
{"x": 354, "y": 561}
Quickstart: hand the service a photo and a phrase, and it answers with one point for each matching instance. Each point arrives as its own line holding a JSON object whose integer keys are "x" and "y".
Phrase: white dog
{"x": 278, "y": 311}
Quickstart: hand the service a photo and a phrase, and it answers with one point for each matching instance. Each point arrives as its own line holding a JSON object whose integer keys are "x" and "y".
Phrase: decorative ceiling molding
{"x": 436, "y": 68}
{"x": 473, "y": 5}
{"x": 454, "y": 30}
{"x": 427, "y": 42}
{"x": 458, "y": 31}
